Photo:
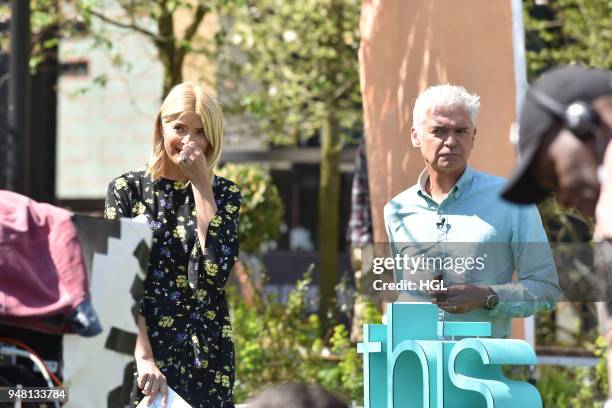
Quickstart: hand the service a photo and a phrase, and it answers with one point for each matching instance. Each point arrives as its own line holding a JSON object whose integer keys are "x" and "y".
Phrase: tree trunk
{"x": 173, "y": 74}
{"x": 168, "y": 51}
{"x": 329, "y": 193}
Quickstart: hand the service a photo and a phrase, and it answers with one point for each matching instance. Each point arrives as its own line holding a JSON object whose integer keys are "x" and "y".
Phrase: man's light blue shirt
{"x": 511, "y": 237}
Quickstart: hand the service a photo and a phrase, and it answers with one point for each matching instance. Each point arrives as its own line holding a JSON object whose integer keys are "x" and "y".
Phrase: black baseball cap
{"x": 564, "y": 84}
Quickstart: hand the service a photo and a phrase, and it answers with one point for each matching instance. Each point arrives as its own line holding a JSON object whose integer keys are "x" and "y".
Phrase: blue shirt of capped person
{"x": 458, "y": 210}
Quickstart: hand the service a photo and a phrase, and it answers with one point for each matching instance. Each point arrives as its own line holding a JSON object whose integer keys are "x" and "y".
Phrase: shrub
{"x": 280, "y": 343}
{"x": 262, "y": 210}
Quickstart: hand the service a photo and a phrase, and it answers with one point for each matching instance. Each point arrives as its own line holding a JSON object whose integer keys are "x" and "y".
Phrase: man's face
{"x": 568, "y": 166}
{"x": 446, "y": 138}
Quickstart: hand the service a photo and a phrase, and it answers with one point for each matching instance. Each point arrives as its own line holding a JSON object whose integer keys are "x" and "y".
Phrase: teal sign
{"x": 406, "y": 364}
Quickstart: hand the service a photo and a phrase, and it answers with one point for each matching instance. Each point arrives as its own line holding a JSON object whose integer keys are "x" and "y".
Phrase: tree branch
{"x": 124, "y": 25}
{"x": 339, "y": 93}
{"x": 198, "y": 16}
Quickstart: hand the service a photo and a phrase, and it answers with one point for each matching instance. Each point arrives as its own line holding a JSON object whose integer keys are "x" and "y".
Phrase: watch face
{"x": 491, "y": 301}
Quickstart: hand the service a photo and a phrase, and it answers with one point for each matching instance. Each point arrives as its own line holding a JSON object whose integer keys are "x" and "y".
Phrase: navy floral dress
{"x": 184, "y": 299}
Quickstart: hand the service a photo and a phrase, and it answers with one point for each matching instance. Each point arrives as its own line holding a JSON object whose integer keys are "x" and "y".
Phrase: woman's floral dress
{"x": 184, "y": 299}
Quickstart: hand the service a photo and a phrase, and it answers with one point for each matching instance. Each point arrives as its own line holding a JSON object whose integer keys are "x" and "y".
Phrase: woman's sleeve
{"x": 117, "y": 202}
{"x": 222, "y": 245}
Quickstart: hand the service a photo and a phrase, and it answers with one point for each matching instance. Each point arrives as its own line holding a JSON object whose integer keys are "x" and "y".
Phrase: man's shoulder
{"x": 402, "y": 199}
{"x": 487, "y": 187}
{"x": 486, "y": 180}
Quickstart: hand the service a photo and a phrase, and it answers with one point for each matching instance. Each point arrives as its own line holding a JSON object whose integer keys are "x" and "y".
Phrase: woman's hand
{"x": 193, "y": 163}
{"x": 151, "y": 381}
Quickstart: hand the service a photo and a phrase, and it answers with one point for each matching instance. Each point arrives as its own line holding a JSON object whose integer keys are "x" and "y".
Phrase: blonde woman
{"x": 184, "y": 338}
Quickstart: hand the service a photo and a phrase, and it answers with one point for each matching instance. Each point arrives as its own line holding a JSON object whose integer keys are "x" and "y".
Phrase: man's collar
{"x": 460, "y": 186}
{"x": 465, "y": 179}
{"x": 422, "y": 181}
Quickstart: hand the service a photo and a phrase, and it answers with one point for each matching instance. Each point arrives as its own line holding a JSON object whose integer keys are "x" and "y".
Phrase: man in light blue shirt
{"x": 458, "y": 211}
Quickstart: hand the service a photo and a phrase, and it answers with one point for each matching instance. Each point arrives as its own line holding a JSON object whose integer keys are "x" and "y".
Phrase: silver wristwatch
{"x": 491, "y": 300}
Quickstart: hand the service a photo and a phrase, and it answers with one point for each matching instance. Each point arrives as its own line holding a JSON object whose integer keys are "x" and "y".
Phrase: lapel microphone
{"x": 440, "y": 224}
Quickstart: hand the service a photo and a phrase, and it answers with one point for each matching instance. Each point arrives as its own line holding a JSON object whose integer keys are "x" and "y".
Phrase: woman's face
{"x": 180, "y": 131}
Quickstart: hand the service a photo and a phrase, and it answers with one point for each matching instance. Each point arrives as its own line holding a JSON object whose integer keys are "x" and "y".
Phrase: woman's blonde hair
{"x": 188, "y": 97}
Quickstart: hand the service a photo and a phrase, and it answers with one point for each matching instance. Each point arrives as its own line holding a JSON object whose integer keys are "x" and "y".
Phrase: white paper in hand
{"x": 174, "y": 401}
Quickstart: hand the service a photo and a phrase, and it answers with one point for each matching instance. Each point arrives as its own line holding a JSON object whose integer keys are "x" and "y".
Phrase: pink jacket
{"x": 42, "y": 271}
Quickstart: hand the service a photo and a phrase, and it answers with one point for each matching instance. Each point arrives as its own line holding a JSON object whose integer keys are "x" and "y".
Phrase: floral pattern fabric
{"x": 184, "y": 300}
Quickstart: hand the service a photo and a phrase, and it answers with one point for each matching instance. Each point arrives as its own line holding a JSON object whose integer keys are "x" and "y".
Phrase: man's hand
{"x": 151, "y": 381}
{"x": 460, "y": 298}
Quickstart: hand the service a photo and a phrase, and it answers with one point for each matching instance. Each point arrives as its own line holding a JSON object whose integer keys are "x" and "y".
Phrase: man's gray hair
{"x": 444, "y": 96}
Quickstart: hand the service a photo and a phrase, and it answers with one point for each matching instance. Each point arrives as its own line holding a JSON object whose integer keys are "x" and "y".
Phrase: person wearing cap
{"x": 565, "y": 125}
{"x": 452, "y": 203}
{"x": 563, "y": 147}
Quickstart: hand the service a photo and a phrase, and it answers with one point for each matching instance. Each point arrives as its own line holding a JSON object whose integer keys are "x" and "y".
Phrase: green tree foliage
{"x": 302, "y": 58}
{"x": 568, "y": 31}
{"x": 155, "y": 20}
{"x": 48, "y": 23}
{"x": 261, "y": 212}
{"x": 279, "y": 342}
